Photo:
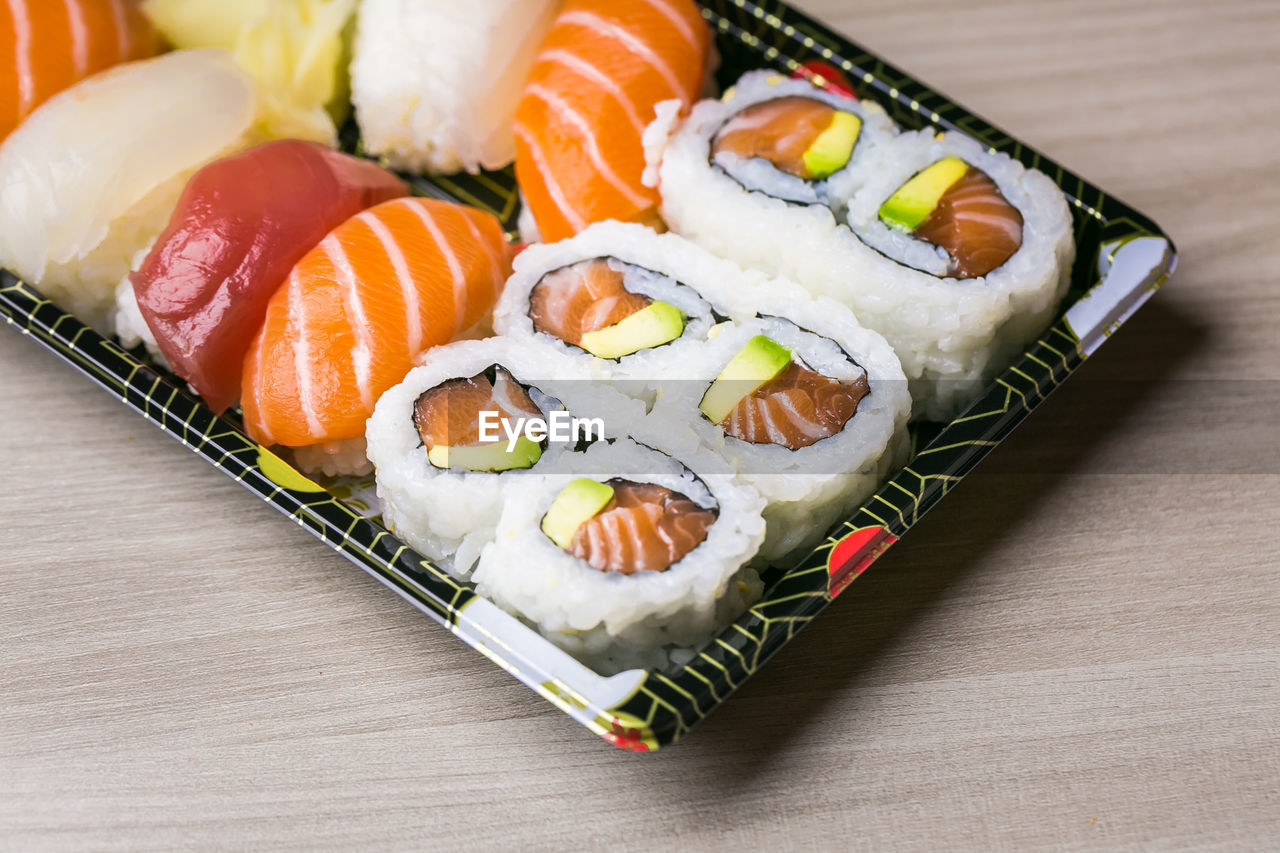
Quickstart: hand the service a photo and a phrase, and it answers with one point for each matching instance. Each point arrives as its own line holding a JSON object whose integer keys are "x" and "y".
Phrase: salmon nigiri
{"x": 47, "y": 46}
{"x": 600, "y": 72}
{"x": 241, "y": 224}
{"x": 388, "y": 283}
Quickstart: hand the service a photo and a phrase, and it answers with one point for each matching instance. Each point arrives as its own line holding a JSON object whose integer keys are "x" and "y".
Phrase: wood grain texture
{"x": 1060, "y": 656}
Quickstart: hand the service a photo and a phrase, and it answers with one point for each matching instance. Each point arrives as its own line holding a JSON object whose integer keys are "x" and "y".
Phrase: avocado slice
{"x": 577, "y": 503}
{"x": 831, "y": 151}
{"x": 651, "y": 326}
{"x": 492, "y": 456}
{"x": 754, "y": 365}
{"x": 916, "y": 199}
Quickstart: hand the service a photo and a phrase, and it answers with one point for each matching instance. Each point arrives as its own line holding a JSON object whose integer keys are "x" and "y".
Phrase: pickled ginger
{"x": 296, "y": 51}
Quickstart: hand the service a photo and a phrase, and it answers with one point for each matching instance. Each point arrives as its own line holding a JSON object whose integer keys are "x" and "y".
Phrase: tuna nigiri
{"x": 46, "y": 47}
{"x": 240, "y": 226}
{"x": 379, "y": 289}
{"x": 90, "y": 179}
{"x": 600, "y": 72}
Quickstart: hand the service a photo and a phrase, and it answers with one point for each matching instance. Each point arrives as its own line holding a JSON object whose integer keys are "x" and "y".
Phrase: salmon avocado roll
{"x": 629, "y": 303}
{"x": 795, "y": 142}
{"x": 640, "y": 527}
{"x": 978, "y": 246}
{"x": 957, "y": 255}
{"x": 809, "y": 410}
{"x": 626, "y": 555}
{"x": 960, "y": 210}
{"x": 772, "y": 137}
{"x": 451, "y": 438}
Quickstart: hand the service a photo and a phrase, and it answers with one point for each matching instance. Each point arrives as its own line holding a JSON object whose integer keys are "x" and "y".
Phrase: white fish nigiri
{"x": 435, "y": 83}
{"x": 91, "y": 177}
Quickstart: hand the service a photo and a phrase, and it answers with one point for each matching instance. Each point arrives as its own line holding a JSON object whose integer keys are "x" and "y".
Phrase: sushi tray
{"x": 790, "y": 295}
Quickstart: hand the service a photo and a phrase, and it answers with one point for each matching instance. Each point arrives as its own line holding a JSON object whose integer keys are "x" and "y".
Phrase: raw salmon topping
{"x": 796, "y": 408}
{"x": 644, "y": 528}
{"x": 599, "y": 73}
{"x": 388, "y": 283}
{"x": 975, "y": 224}
{"x": 586, "y": 297}
{"x": 448, "y": 415}
{"x": 781, "y": 131}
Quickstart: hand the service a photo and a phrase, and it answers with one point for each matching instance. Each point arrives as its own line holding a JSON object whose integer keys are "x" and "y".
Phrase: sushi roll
{"x": 435, "y": 83}
{"x": 810, "y": 409}
{"x": 629, "y": 302}
{"x": 444, "y": 469}
{"x": 784, "y": 139}
{"x": 625, "y": 555}
{"x": 952, "y": 328}
{"x": 390, "y": 282}
{"x": 960, "y": 257}
{"x": 598, "y": 76}
{"x": 91, "y": 177}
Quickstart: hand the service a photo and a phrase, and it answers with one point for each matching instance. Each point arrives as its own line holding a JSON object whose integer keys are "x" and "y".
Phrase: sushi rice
{"x": 345, "y": 458}
{"x": 435, "y": 83}
{"x": 612, "y": 621}
{"x": 126, "y": 318}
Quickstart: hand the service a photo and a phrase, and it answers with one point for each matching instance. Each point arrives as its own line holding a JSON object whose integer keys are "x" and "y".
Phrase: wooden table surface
{"x": 1077, "y": 649}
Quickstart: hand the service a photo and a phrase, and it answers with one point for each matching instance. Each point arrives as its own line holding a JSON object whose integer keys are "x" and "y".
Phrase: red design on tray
{"x": 832, "y": 77}
{"x": 625, "y": 738}
{"x": 852, "y": 554}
